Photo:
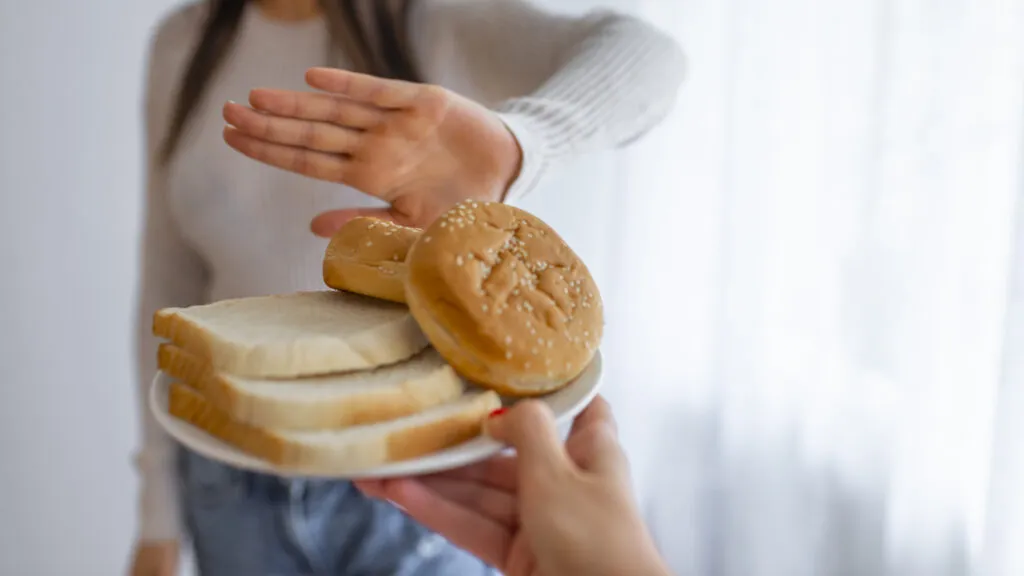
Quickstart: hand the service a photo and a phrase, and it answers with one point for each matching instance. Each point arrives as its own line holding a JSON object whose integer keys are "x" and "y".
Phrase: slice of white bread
{"x": 289, "y": 335}
{"x": 344, "y": 450}
{"x": 319, "y": 402}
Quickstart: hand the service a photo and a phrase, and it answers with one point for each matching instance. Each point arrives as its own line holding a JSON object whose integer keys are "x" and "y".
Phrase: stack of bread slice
{"x": 316, "y": 382}
{"x": 403, "y": 355}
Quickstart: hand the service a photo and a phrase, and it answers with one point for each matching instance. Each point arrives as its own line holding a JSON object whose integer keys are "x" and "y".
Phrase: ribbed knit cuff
{"x": 534, "y": 148}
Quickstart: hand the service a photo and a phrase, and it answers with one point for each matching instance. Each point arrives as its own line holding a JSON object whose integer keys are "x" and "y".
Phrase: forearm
{"x": 158, "y": 515}
{"x": 172, "y": 275}
{"x": 612, "y": 87}
{"x": 155, "y": 458}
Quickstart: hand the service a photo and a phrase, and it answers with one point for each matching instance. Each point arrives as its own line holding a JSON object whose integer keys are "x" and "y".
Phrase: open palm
{"x": 419, "y": 147}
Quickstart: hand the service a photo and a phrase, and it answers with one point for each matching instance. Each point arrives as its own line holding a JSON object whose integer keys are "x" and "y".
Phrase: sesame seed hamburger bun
{"x": 367, "y": 256}
{"x": 504, "y": 299}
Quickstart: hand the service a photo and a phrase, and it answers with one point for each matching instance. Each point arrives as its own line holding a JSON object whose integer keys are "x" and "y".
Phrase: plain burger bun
{"x": 504, "y": 299}
{"x": 367, "y": 256}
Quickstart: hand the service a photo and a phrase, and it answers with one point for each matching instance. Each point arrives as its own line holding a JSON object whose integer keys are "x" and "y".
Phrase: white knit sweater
{"x": 219, "y": 225}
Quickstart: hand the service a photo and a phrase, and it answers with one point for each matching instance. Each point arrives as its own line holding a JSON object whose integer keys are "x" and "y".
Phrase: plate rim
{"x": 470, "y": 452}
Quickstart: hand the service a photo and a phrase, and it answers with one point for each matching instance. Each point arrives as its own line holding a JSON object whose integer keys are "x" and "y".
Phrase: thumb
{"x": 326, "y": 224}
{"x": 530, "y": 428}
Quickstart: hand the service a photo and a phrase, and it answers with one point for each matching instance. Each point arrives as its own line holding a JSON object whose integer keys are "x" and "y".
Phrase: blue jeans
{"x": 247, "y": 524}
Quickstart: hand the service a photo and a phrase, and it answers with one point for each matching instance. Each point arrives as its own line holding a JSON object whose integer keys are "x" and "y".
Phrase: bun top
{"x": 507, "y": 287}
{"x": 372, "y": 240}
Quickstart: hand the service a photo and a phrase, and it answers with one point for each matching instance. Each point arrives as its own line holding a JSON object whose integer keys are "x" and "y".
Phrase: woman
{"x": 536, "y": 88}
{"x": 549, "y": 510}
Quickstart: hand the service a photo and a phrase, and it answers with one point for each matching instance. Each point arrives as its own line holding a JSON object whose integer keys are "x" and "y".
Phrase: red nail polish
{"x": 497, "y": 412}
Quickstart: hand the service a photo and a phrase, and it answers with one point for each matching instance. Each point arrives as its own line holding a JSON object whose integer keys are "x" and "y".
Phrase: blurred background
{"x": 814, "y": 274}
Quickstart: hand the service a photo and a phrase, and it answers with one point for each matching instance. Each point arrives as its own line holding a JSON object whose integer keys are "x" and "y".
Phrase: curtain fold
{"x": 811, "y": 291}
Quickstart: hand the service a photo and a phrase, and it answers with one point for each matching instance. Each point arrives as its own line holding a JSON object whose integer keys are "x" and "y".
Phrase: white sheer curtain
{"x": 809, "y": 340}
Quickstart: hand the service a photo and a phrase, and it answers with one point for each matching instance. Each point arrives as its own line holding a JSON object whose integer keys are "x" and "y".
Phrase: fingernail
{"x": 497, "y": 412}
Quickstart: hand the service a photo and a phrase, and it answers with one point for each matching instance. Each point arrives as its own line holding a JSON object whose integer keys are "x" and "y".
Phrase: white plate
{"x": 566, "y": 404}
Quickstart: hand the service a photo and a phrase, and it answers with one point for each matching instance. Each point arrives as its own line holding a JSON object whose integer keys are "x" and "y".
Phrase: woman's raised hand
{"x": 418, "y": 147}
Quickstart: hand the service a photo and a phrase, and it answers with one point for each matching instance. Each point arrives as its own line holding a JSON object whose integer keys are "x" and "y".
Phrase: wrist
{"x": 508, "y": 162}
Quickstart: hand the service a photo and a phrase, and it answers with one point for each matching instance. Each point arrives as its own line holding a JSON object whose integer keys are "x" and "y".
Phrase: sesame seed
{"x": 369, "y": 243}
{"x": 508, "y": 354}
{"x": 443, "y": 223}
{"x": 508, "y": 339}
{"x": 484, "y": 307}
{"x": 533, "y": 350}
{"x": 526, "y": 364}
{"x": 426, "y": 239}
{"x": 458, "y": 260}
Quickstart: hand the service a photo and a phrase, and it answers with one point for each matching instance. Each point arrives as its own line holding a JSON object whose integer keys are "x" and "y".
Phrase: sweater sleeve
{"x": 564, "y": 85}
{"x": 172, "y": 274}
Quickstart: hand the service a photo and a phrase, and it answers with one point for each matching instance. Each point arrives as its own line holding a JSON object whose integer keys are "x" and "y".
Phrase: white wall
{"x": 69, "y": 200}
{"x": 70, "y": 86}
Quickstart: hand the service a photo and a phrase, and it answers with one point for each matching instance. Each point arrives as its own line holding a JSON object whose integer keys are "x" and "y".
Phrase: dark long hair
{"x": 372, "y": 33}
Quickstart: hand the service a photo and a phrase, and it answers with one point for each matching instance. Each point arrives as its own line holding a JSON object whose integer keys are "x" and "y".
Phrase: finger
{"x": 481, "y": 536}
{"x": 500, "y": 473}
{"x": 596, "y": 449}
{"x": 327, "y": 224}
{"x": 371, "y": 488}
{"x": 599, "y": 410}
{"x": 319, "y": 136}
{"x": 319, "y": 165}
{"x": 530, "y": 428}
{"x": 521, "y": 560}
{"x": 316, "y": 106}
{"x": 390, "y": 94}
{"x": 498, "y": 505}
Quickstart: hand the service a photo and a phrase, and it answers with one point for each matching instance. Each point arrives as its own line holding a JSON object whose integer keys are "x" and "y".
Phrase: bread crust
{"x": 504, "y": 299}
{"x": 324, "y": 457}
{"x": 367, "y": 256}
{"x": 420, "y": 391}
